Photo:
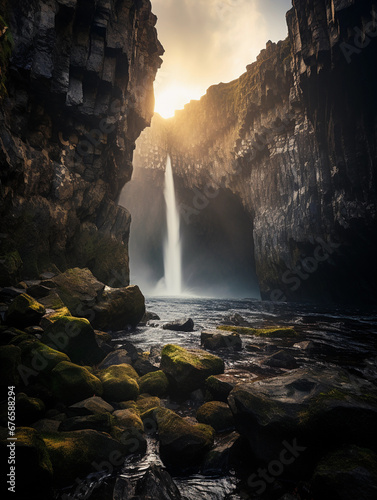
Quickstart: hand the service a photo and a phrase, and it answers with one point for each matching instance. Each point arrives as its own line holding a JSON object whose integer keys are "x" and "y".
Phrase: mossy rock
{"x": 25, "y": 311}
{"x": 33, "y": 464}
{"x": 216, "y": 414}
{"x": 28, "y": 410}
{"x": 214, "y": 341}
{"x": 119, "y": 383}
{"x": 260, "y": 332}
{"x": 49, "y": 319}
{"x": 40, "y": 357}
{"x": 102, "y": 422}
{"x": 73, "y": 454}
{"x": 10, "y": 260}
{"x": 10, "y": 360}
{"x": 154, "y": 383}
{"x": 348, "y": 473}
{"x": 144, "y": 403}
{"x": 217, "y": 388}
{"x": 76, "y": 338}
{"x": 90, "y": 406}
{"x": 71, "y": 383}
{"x": 128, "y": 419}
{"x": 180, "y": 441}
{"x": 188, "y": 369}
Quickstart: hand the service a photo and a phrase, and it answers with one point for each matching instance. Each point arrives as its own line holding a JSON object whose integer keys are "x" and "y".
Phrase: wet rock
{"x": 28, "y": 410}
{"x": 270, "y": 332}
{"x": 144, "y": 366}
{"x": 76, "y": 338}
{"x": 188, "y": 369}
{"x": 73, "y": 453}
{"x": 216, "y": 340}
{"x": 33, "y": 463}
{"x": 307, "y": 346}
{"x": 24, "y": 311}
{"x": 235, "y": 319}
{"x": 281, "y": 359}
{"x": 99, "y": 422}
{"x": 46, "y": 425}
{"x": 148, "y": 316}
{"x": 180, "y": 441}
{"x": 218, "y": 387}
{"x": 128, "y": 419}
{"x": 154, "y": 383}
{"x": 223, "y": 454}
{"x": 10, "y": 360}
{"x": 216, "y": 414}
{"x": 317, "y": 408}
{"x": 91, "y": 406}
{"x": 119, "y": 383}
{"x": 117, "y": 357}
{"x": 71, "y": 383}
{"x": 346, "y": 474}
{"x": 180, "y": 325}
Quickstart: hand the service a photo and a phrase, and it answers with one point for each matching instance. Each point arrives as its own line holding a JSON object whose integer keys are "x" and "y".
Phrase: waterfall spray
{"x": 172, "y": 247}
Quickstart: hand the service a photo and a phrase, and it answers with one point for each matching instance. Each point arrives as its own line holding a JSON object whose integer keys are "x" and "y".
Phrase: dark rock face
{"x": 79, "y": 94}
{"x": 294, "y": 139}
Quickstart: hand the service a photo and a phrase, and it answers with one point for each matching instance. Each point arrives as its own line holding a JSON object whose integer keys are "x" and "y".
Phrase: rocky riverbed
{"x": 201, "y": 398}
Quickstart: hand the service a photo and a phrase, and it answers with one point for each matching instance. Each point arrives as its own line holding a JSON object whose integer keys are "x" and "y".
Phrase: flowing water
{"x": 342, "y": 337}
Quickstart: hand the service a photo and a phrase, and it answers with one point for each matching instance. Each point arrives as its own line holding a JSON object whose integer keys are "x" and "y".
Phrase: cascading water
{"x": 172, "y": 246}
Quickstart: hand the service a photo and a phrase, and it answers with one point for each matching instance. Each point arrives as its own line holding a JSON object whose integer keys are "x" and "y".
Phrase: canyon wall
{"x": 294, "y": 139}
{"x": 76, "y": 91}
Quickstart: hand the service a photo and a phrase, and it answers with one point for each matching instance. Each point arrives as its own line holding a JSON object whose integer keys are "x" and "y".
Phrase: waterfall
{"x": 172, "y": 247}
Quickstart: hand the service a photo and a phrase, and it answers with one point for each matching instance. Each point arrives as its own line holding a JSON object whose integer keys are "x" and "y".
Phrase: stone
{"x": 180, "y": 325}
{"x": 39, "y": 357}
{"x": 188, "y": 369}
{"x": 144, "y": 366}
{"x": 117, "y": 357}
{"x": 154, "y": 383}
{"x": 235, "y": 319}
{"x": 101, "y": 422}
{"x": 38, "y": 291}
{"x": 218, "y": 387}
{"x": 347, "y": 473}
{"x": 144, "y": 403}
{"x": 71, "y": 383}
{"x": 214, "y": 341}
{"x": 90, "y": 406}
{"x": 119, "y": 383}
{"x": 157, "y": 484}
{"x": 128, "y": 419}
{"x": 10, "y": 262}
{"x": 216, "y": 414}
{"x": 148, "y": 316}
{"x": 24, "y": 311}
{"x": 33, "y": 463}
{"x": 221, "y": 458}
{"x": 10, "y": 360}
{"x": 261, "y": 332}
{"x": 76, "y": 338}
{"x": 46, "y": 425}
{"x": 180, "y": 441}
{"x": 281, "y": 359}
{"x": 28, "y": 410}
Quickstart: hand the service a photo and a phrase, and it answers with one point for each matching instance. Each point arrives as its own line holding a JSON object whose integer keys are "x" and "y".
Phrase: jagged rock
{"x": 180, "y": 441}
{"x": 76, "y": 338}
{"x": 180, "y": 325}
{"x": 71, "y": 383}
{"x": 347, "y": 473}
{"x": 24, "y": 311}
{"x": 281, "y": 359}
{"x": 91, "y": 406}
{"x": 101, "y": 422}
{"x": 119, "y": 383}
{"x": 33, "y": 463}
{"x": 46, "y": 425}
{"x": 315, "y": 408}
{"x": 220, "y": 458}
{"x": 218, "y": 387}
{"x": 215, "y": 340}
{"x": 216, "y": 414}
{"x": 148, "y": 316}
{"x": 144, "y": 366}
{"x": 154, "y": 383}
{"x": 116, "y": 357}
{"x": 188, "y": 369}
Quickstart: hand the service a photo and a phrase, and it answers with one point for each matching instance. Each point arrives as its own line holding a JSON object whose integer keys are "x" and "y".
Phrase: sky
{"x": 210, "y": 41}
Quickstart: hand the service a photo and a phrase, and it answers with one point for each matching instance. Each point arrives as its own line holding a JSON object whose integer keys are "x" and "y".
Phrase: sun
{"x": 173, "y": 96}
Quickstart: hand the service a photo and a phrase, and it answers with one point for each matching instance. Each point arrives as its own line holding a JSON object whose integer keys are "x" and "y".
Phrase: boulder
{"x": 272, "y": 332}
{"x": 76, "y": 338}
{"x": 346, "y": 474}
{"x": 128, "y": 419}
{"x": 317, "y": 408}
{"x": 99, "y": 422}
{"x": 119, "y": 383}
{"x": 215, "y": 340}
{"x": 218, "y": 387}
{"x": 39, "y": 358}
{"x": 38, "y": 291}
{"x": 281, "y": 359}
{"x": 235, "y": 319}
{"x": 10, "y": 360}
{"x": 154, "y": 383}
{"x": 144, "y": 366}
{"x": 116, "y": 357}
{"x": 24, "y": 311}
{"x": 180, "y": 441}
{"x": 180, "y": 325}
{"x": 33, "y": 464}
{"x": 119, "y": 308}
{"x": 90, "y": 406}
{"x": 222, "y": 456}
{"x": 144, "y": 403}
{"x": 216, "y": 414}
{"x": 148, "y": 316}
{"x": 46, "y": 425}
{"x": 71, "y": 383}
{"x": 188, "y": 369}
{"x": 28, "y": 410}
{"x": 74, "y": 454}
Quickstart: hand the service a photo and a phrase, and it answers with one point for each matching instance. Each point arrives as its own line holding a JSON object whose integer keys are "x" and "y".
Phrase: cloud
{"x": 208, "y": 41}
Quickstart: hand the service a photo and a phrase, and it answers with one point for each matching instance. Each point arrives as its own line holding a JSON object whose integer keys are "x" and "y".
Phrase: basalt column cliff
{"x": 76, "y": 91}
{"x": 294, "y": 138}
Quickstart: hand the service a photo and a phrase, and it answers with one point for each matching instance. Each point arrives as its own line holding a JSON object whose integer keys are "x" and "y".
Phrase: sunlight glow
{"x": 174, "y": 96}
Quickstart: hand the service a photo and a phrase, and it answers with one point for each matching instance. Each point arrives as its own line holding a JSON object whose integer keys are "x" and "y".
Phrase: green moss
{"x": 260, "y": 332}
{"x": 216, "y": 414}
{"x": 24, "y": 303}
{"x": 119, "y": 382}
{"x": 146, "y": 403}
{"x": 71, "y": 383}
{"x": 128, "y": 419}
{"x": 154, "y": 383}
